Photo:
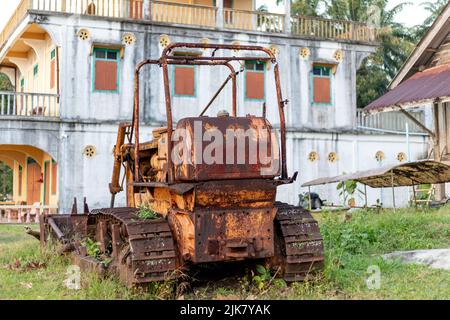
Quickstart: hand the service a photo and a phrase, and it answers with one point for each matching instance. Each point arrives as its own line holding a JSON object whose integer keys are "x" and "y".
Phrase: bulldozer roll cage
{"x": 167, "y": 59}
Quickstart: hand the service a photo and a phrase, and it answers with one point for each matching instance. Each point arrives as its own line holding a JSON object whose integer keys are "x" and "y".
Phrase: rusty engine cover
{"x": 232, "y": 220}
{"x": 229, "y": 162}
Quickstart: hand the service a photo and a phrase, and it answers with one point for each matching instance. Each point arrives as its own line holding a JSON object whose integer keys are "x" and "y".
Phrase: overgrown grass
{"x": 17, "y": 250}
{"x": 352, "y": 244}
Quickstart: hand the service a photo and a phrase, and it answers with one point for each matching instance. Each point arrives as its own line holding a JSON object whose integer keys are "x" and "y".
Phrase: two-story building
{"x": 72, "y": 63}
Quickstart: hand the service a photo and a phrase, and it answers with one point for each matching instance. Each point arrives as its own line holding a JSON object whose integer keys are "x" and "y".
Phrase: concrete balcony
{"x": 209, "y": 16}
{"x": 314, "y": 27}
{"x": 29, "y": 105}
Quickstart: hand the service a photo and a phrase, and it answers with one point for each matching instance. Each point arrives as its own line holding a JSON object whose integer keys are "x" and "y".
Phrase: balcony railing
{"x": 128, "y": 9}
{"x": 198, "y": 15}
{"x": 253, "y": 20}
{"x": 29, "y": 104}
{"x": 171, "y": 12}
{"x": 390, "y": 122}
{"x": 315, "y": 27}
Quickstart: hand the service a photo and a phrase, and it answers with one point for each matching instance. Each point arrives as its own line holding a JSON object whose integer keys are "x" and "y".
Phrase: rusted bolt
{"x": 187, "y": 256}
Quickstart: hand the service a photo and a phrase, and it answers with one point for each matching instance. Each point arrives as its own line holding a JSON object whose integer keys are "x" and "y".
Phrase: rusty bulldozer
{"x": 182, "y": 211}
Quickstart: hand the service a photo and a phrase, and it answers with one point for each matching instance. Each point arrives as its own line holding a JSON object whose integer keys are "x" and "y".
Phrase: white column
{"x": 287, "y": 19}
{"x": 219, "y": 17}
{"x": 146, "y": 7}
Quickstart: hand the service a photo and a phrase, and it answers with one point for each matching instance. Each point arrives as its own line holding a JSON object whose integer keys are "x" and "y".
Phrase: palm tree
{"x": 396, "y": 40}
{"x": 304, "y": 7}
{"x": 434, "y": 9}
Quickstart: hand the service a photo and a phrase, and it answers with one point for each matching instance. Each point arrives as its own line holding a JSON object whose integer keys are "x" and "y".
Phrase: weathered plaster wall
{"x": 79, "y": 101}
{"x": 356, "y": 152}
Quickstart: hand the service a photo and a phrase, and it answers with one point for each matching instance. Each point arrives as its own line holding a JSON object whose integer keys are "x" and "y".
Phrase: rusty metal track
{"x": 300, "y": 242}
{"x": 142, "y": 250}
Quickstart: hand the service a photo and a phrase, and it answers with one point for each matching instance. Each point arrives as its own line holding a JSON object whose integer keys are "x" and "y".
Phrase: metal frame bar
{"x": 417, "y": 122}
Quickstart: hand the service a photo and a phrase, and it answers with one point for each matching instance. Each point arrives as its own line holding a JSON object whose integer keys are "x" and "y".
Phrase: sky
{"x": 412, "y": 15}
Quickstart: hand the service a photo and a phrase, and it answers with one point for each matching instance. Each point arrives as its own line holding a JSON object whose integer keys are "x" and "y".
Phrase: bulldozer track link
{"x": 300, "y": 242}
{"x": 147, "y": 250}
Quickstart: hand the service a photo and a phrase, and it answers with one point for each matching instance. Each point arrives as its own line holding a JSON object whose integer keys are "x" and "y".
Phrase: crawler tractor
{"x": 184, "y": 210}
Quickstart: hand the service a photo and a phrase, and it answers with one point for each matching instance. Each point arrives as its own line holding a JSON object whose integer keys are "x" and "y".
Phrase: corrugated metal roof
{"x": 407, "y": 174}
{"x": 420, "y": 88}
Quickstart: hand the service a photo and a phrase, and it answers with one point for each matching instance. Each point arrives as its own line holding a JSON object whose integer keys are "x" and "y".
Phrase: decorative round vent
{"x": 313, "y": 156}
{"x": 83, "y": 34}
{"x": 128, "y": 39}
{"x": 351, "y": 202}
{"x": 204, "y": 41}
{"x": 332, "y": 157}
{"x": 338, "y": 55}
{"x": 236, "y": 43}
{"x": 380, "y": 156}
{"x": 304, "y": 53}
{"x": 90, "y": 151}
{"x": 164, "y": 40}
{"x": 274, "y": 49}
{"x": 401, "y": 157}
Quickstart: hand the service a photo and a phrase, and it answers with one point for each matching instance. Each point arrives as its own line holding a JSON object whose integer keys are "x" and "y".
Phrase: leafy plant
{"x": 264, "y": 279}
{"x": 348, "y": 189}
{"x": 147, "y": 213}
{"x": 92, "y": 248}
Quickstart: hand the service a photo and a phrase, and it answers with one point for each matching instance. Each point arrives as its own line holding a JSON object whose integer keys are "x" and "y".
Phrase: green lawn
{"x": 353, "y": 244}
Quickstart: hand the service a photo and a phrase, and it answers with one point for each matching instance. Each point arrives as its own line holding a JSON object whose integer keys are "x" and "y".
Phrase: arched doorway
{"x": 34, "y": 175}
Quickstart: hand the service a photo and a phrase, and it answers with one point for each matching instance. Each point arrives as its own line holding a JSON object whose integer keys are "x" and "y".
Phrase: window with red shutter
{"x": 321, "y": 82}
{"x": 255, "y": 80}
{"x": 106, "y": 70}
{"x": 184, "y": 78}
{"x": 52, "y": 68}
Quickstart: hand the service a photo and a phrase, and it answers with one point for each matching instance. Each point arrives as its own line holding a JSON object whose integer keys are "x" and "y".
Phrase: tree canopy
{"x": 6, "y": 182}
{"x": 5, "y": 83}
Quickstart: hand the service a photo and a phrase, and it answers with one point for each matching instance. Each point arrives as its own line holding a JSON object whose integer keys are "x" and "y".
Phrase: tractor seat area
{"x": 157, "y": 132}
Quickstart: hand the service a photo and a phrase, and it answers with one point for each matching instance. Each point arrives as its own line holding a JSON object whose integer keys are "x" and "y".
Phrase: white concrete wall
{"x": 356, "y": 152}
